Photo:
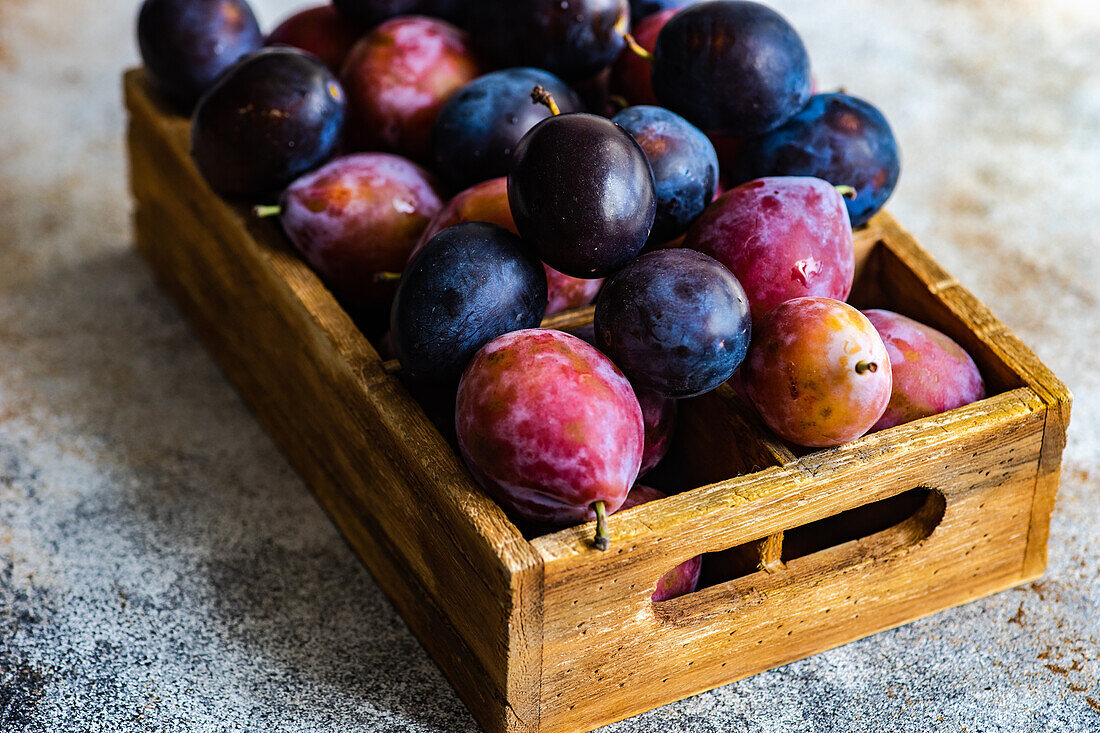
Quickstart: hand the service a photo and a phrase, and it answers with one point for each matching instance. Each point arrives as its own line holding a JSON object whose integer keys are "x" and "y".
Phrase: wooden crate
{"x": 547, "y": 634}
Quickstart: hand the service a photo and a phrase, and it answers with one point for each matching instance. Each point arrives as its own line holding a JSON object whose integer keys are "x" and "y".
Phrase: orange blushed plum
{"x": 358, "y": 216}
{"x": 682, "y": 579}
{"x": 488, "y": 201}
{"x": 818, "y": 372}
{"x": 397, "y": 78}
{"x": 783, "y": 237}
{"x": 549, "y": 426}
{"x": 932, "y": 373}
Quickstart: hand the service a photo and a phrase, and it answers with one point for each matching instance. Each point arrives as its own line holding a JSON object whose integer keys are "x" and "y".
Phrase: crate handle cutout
{"x": 866, "y": 534}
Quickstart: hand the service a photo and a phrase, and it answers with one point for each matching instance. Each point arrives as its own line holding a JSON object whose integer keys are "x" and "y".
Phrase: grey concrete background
{"x": 163, "y": 569}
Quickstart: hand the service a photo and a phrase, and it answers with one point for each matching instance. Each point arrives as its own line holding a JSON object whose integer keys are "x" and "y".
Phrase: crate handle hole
{"x": 874, "y": 530}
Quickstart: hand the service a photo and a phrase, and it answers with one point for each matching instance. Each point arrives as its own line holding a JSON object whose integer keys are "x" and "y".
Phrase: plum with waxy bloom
{"x": 932, "y": 373}
{"x": 818, "y": 372}
{"x": 782, "y": 237}
{"x": 488, "y": 201}
{"x": 358, "y": 216}
{"x": 398, "y": 77}
{"x": 549, "y": 426}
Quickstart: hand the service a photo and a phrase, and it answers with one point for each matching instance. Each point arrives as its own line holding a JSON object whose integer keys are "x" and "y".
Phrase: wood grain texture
{"x": 548, "y": 634}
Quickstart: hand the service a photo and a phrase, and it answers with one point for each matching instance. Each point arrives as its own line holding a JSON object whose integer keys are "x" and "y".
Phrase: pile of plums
{"x": 457, "y": 171}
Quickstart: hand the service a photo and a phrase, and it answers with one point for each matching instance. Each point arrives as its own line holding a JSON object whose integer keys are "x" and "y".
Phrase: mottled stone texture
{"x": 162, "y": 568}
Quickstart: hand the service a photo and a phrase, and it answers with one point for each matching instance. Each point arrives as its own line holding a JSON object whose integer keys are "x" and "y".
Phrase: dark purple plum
{"x": 187, "y": 44}
{"x": 684, "y": 163}
{"x": 675, "y": 321}
{"x": 574, "y": 39}
{"x": 480, "y": 126}
{"x": 368, "y": 13}
{"x": 321, "y": 31}
{"x": 839, "y": 138}
{"x": 270, "y": 118}
{"x": 469, "y": 284}
{"x": 731, "y": 67}
{"x": 582, "y": 194}
{"x": 641, "y": 9}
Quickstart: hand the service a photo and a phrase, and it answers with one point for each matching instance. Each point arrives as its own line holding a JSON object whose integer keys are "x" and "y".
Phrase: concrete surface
{"x": 163, "y": 569}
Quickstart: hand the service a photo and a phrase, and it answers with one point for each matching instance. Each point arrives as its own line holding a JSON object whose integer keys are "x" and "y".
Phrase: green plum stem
{"x": 264, "y": 212}
{"x": 539, "y": 95}
{"x": 602, "y": 540}
{"x": 637, "y": 48}
{"x": 387, "y": 277}
{"x": 847, "y": 192}
{"x": 866, "y": 366}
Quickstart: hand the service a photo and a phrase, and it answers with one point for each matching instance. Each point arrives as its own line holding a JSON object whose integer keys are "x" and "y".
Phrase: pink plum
{"x": 549, "y": 427}
{"x": 659, "y": 415}
{"x": 783, "y": 237}
{"x": 488, "y": 201}
{"x": 398, "y": 76}
{"x": 932, "y": 373}
{"x": 682, "y": 579}
{"x": 817, "y": 372}
{"x": 319, "y": 30}
{"x": 357, "y": 216}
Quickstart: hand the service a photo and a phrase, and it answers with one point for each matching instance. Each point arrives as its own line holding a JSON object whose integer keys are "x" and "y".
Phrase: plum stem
{"x": 619, "y": 101}
{"x": 847, "y": 192}
{"x": 539, "y": 95}
{"x": 637, "y": 48}
{"x": 866, "y": 366}
{"x": 601, "y": 541}
{"x": 264, "y": 212}
{"x": 387, "y": 277}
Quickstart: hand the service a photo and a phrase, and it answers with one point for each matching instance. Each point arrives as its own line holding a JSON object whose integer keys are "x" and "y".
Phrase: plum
{"x": 480, "y": 126}
{"x": 817, "y": 372}
{"x": 838, "y": 137}
{"x": 488, "y": 201}
{"x": 398, "y": 77}
{"x": 550, "y": 428}
{"x": 782, "y": 237}
{"x": 273, "y": 116}
{"x": 684, "y": 163}
{"x": 659, "y": 414}
{"x": 732, "y": 67}
{"x": 187, "y": 44}
{"x": 321, "y": 31}
{"x": 573, "y": 39}
{"x": 932, "y": 373}
{"x": 675, "y": 321}
{"x": 682, "y": 579}
{"x": 356, "y": 217}
{"x": 582, "y": 194}
{"x": 469, "y": 284}
{"x": 632, "y": 75}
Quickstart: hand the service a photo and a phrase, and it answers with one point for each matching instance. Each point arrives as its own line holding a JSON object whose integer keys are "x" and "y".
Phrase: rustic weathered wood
{"x": 547, "y": 634}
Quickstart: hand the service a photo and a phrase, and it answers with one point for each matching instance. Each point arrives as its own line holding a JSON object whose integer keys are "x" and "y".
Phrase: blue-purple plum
{"x": 731, "y": 67}
{"x": 480, "y": 126}
{"x": 187, "y": 44}
{"x": 675, "y": 321}
{"x": 469, "y": 284}
{"x": 574, "y": 39}
{"x": 684, "y": 163}
{"x": 270, "y": 118}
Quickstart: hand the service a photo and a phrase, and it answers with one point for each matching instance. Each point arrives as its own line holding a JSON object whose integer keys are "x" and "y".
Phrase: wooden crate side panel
{"x": 985, "y": 332}
{"x": 341, "y": 422}
{"x": 610, "y": 653}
